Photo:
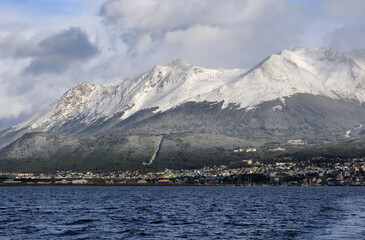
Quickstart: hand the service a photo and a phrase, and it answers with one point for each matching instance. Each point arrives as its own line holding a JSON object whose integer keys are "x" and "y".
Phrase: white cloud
{"x": 348, "y": 10}
{"x": 347, "y": 38}
{"x": 213, "y": 33}
{"x": 11, "y": 108}
{"x": 348, "y": 21}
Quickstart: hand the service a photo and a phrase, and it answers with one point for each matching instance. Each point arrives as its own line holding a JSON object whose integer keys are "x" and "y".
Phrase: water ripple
{"x": 182, "y": 213}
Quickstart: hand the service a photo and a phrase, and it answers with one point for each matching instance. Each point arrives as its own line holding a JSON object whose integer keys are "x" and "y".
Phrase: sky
{"x": 47, "y": 46}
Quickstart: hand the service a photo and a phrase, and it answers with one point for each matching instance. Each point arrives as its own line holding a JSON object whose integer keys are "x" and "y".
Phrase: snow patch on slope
{"x": 347, "y": 134}
{"x": 277, "y": 107}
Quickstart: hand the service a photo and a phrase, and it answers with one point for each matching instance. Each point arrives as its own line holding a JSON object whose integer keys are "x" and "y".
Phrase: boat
{"x": 163, "y": 181}
{"x": 11, "y": 181}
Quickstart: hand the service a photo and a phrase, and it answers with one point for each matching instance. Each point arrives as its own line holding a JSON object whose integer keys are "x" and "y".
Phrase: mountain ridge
{"x": 319, "y": 72}
{"x": 153, "y": 88}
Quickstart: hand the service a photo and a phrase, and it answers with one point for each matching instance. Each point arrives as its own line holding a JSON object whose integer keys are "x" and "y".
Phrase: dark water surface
{"x": 182, "y": 212}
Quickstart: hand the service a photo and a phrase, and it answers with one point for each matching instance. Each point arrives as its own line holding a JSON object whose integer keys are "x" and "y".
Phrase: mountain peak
{"x": 178, "y": 63}
{"x": 82, "y": 87}
{"x": 79, "y": 91}
{"x": 315, "y": 71}
{"x": 318, "y": 53}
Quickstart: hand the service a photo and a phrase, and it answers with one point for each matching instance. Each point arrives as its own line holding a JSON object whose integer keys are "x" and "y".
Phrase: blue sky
{"x": 47, "y": 46}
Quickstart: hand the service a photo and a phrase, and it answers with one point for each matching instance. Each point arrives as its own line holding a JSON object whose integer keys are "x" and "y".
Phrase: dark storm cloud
{"x": 58, "y": 52}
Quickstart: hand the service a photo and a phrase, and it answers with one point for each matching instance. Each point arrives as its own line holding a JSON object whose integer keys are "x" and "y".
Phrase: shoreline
{"x": 164, "y": 185}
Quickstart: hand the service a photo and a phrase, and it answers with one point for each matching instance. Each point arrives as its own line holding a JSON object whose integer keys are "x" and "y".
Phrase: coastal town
{"x": 346, "y": 172}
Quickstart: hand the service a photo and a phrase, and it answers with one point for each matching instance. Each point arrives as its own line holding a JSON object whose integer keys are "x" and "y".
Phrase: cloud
{"x": 348, "y": 10}
{"x": 43, "y": 55}
{"x": 52, "y": 54}
{"x": 13, "y": 26}
{"x": 213, "y": 33}
{"x": 59, "y": 51}
{"x": 6, "y": 122}
{"x": 348, "y": 20}
{"x": 345, "y": 38}
{"x": 14, "y": 45}
{"x": 36, "y": 68}
{"x": 12, "y": 108}
{"x": 71, "y": 44}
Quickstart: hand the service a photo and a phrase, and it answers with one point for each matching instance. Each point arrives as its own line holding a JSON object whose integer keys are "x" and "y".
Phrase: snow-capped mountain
{"x": 163, "y": 87}
{"x": 320, "y": 72}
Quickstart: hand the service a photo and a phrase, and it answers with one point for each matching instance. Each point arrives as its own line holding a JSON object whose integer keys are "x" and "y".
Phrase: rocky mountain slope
{"x": 298, "y": 93}
{"x": 42, "y": 152}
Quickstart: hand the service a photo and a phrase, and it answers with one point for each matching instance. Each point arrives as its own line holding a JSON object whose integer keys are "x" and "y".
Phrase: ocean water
{"x": 165, "y": 212}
